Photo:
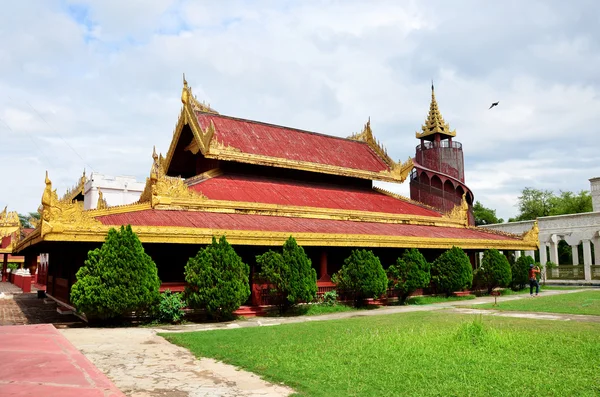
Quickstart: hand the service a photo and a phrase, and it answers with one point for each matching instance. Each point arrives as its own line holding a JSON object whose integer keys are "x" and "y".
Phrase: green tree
{"x": 452, "y": 271}
{"x": 361, "y": 276}
{"x": 534, "y": 203}
{"x": 291, "y": 274}
{"x": 117, "y": 278}
{"x": 485, "y": 216}
{"x": 520, "y": 272}
{"x": 495, "y": 270}
{"x": 570, "y": 203}
{"x": 217, "y": 280}
{"x": 411, "y": 272}
{"x": 26, "y": 219}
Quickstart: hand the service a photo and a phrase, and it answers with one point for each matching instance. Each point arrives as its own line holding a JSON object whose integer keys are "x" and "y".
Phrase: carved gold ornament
{"x": 56, "y": 214}
{"x": 101, "y": 205}
{"x": 160, "y": 185}
{"x": 460, "y": 212}
{"x": 435, "y": 122}
{"x": 532, "y": 236}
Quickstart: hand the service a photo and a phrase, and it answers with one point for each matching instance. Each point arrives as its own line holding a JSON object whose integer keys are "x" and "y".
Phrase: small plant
{"x": 170, "y": 308}
{"x": 410, "y": 273}
{"x": 217, "y": 280}
{"x": 330, "y": 298}
{"x": 362, "y": 276}
{"x": 494, "y": 271}
{"x": 13, "y": 266}
{"x": 452, "y": 271}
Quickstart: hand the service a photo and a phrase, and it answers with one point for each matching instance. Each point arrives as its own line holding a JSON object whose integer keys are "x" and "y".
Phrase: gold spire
{"x": 101, "y": 205}
{"x": 435, "y": 123}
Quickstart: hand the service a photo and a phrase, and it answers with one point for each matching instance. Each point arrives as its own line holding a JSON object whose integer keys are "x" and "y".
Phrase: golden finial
{"x": 435, "y": 122}
{"x": 185, "y": 93}
{"x": 154, "y": 155}
{"x": 101, "y": 202}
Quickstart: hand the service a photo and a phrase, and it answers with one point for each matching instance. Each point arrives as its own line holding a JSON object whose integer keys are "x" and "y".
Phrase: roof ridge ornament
{"x": 366, "y": 135}
{"x": 435, "y": 123}
{"x": 460, "y": 212}
{"x": 189, "y": 99}
{"x": 160, "y": 185}
{"x": 102, "y": 204}
{"x": 55, "y": 213}
{"x": 532, "y": 235}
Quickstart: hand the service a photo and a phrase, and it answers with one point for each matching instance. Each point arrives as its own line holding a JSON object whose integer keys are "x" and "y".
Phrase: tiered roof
{"x": 266, "y": 210}
{"x": 435, "y": 124}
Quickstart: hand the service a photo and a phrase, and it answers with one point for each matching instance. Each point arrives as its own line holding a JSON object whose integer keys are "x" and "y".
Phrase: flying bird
{"x": 494, "y": 104}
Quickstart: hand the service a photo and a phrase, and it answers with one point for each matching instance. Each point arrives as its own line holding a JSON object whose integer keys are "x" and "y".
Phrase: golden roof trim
{"x": 78, "y": 189}
{"x": 179, "y": 235}
{"x": 404, "y": 198}
{"x": 434, "y": 124}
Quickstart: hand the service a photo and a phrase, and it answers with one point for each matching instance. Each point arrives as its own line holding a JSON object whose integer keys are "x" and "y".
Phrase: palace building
{"x": 258, "y": 184}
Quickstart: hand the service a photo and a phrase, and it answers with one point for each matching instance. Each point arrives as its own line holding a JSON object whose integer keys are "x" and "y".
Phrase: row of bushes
{"x": 119, "y": 277}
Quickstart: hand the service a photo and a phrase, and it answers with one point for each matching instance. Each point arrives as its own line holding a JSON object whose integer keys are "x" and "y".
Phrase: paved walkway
{"x": 36, "y": 360}
{"x": 9, "y": 288}
{"x": 20, "y": 309}
{"x": 143, "y": 364}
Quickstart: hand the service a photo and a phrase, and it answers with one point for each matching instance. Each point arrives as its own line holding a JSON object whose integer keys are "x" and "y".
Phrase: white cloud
{"x": 102, "y": 79}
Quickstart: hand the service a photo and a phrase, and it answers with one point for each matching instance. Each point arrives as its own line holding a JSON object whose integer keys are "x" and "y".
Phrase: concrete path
{"x": 530, "y": 315}
{"x": 143, "y": 364}
{"x": 270, "y": 321}
{"x": 36, "y": 360}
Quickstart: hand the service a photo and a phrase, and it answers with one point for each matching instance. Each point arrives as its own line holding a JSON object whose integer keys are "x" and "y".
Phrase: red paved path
{"x": 36, "y": 360}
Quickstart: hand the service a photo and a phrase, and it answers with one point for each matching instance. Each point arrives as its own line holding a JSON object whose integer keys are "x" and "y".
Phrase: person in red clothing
{"x": 533, "y": 271}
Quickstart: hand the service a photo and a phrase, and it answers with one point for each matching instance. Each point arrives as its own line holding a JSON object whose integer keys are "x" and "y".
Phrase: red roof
{"x": 263, "y": 139}
{"x": 287, "y": 192}
{"x": 212, "y": 220}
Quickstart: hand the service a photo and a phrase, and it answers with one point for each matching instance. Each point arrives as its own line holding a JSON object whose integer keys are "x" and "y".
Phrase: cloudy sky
{"x": 95, "y": 84}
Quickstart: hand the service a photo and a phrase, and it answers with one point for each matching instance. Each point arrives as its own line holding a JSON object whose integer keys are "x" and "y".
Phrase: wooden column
{"x": 324, "y": 275}
{"x": 5, "y": 268}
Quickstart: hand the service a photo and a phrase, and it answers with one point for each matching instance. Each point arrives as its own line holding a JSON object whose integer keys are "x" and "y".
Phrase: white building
{"x": 116, "y": 190}
{"x": 576, "y": 229}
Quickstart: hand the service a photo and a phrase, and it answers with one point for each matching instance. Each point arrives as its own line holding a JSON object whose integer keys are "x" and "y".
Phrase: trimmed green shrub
{"x": 494, "y": 270}
{"x": 362, "y": 276}
{"x": 452, "y": 271}
{"x": 411, "y": 272}
{"x": 170, "y": 308}
{"x": 117, "y": 278}
{"x": 291, "y": 274}
{"x": 520, "y": 272}
{"x": 217, "y": 280}
{"x": 329, "y": 298}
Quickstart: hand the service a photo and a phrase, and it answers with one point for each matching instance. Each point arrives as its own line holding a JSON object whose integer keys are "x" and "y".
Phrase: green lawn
{"x": 428, "y": 300}
{"x": 587, "y": 302}
{"x": 414, "y": 354}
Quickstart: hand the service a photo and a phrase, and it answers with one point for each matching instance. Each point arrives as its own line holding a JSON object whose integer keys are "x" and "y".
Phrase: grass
{"x": 414, "y": 354}
{"x": 313, "y": 310}
{"x": 428, "y": 300}
{"x": 587, "y": 302}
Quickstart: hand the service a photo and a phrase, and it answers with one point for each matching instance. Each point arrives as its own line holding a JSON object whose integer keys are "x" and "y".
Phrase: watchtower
{"x": 438, "y": 176}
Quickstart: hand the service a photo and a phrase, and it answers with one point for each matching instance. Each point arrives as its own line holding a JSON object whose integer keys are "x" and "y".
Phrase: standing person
{"x": 533, "y": 271}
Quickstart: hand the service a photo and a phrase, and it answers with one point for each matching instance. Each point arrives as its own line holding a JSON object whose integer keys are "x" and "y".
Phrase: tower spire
{"x": 435, "y": 124}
